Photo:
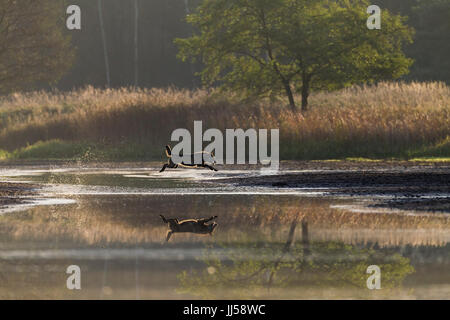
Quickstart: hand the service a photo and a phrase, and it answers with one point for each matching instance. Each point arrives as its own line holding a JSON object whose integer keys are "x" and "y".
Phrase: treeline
{"x": 431, "y": 47}
{"x": 161, "y": 21}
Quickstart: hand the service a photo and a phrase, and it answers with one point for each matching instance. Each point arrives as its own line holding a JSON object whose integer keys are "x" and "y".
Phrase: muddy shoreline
{"x": 14, "y": 193}
{"x": 361, "y": 181}
{"x": 404, "y": 185}
{"x": 418, "y": 189}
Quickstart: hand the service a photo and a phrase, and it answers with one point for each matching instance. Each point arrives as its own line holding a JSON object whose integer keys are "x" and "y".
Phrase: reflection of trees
{"x": 253, "y": 268}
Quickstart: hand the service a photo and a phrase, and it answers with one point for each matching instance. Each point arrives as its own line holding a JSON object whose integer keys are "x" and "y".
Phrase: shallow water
{"x": 107, "y": 222}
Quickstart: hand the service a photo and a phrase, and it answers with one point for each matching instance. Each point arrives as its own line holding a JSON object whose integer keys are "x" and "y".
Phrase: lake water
{"x": 277, "y": 243}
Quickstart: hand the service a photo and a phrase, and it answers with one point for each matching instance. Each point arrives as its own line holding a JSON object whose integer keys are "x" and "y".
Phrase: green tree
{"x": 33, "y": 46}
{"x": 273, "y": 47}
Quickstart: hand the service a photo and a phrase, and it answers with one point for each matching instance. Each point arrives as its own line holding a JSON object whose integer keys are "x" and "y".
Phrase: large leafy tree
{"x": 33, "y": 46}
{"x": 273, "y": 47}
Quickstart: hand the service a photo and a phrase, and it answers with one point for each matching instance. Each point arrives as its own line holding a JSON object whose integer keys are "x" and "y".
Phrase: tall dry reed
{"x": 389, "y": 119}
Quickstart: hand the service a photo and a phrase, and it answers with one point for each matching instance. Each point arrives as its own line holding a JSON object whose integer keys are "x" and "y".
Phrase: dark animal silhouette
{"x": 198, "y": 226}
{"x": 207, "y": 161}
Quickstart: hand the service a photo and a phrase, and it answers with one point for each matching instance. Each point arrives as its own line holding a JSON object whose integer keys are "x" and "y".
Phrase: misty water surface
{"x": 107, "y": 222}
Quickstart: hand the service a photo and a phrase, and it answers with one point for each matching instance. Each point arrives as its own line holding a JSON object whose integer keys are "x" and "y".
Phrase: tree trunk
{"x": 192, "y": 66}
{"x": 305, "y": 239}
{"x": 105, "y": 49}
{"x": 288, "y": 89}
{"x": 136, "y": 43}
{"x": 305, "y": 92}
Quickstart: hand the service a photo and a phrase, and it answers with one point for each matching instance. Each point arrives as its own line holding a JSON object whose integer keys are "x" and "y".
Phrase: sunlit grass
{"x": 434, "y": 159}
{"x": 363, "y": 159}
{"x": 56, "y": 149}
{"x": 390, "y": 120}
{"x": 4, "y": 155}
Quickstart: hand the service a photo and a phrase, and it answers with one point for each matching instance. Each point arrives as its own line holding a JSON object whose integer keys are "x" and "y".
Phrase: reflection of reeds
{"x": 388, "y": 119}
{"x": 261, "y": 218}
{"x": 385, "y": 237}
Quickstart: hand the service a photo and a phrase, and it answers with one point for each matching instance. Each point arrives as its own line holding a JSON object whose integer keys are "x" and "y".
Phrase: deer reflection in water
{"x": 198, "y": 226}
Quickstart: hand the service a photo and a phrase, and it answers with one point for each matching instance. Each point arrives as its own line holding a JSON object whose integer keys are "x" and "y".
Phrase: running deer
{"x": 208, "y": 161}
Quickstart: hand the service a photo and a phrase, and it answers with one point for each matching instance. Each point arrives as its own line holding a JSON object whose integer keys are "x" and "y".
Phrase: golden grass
{"x": 386, "y": 120}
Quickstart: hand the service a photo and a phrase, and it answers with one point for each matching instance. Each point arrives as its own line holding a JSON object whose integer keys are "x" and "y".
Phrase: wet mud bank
{"x": 16, "y": 193}
{"x": 418, "y": 189}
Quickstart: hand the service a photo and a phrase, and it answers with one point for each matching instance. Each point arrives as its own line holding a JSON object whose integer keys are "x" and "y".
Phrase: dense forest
{"x": 159, "y": 22}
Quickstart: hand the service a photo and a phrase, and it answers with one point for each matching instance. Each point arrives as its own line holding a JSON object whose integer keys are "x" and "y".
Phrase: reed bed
{"x": 380, "y": 121}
